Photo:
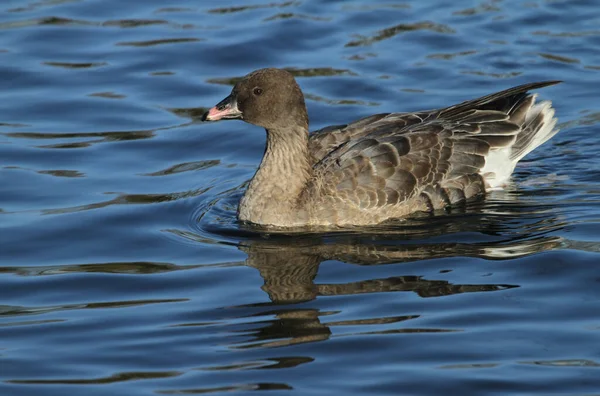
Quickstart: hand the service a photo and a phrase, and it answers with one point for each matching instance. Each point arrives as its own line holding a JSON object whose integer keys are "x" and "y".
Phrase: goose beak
{"x": 225, "y": 110}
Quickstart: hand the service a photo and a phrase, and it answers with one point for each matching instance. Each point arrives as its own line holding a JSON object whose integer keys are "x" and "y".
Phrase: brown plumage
{"x": 382, "y": 166}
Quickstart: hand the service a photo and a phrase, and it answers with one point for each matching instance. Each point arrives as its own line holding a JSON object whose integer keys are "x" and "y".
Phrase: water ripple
{"x": 399, "y": 29}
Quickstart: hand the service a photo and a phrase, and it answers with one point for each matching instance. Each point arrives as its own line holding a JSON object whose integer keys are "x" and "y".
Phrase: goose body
{"x": 383, "y": 166}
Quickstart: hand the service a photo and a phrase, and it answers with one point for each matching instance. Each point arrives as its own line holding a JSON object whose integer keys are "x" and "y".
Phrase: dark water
{"x": 124, "y": 272}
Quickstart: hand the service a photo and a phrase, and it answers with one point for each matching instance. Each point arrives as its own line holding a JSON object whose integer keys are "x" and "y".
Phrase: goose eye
{"x": 257, "y": 91}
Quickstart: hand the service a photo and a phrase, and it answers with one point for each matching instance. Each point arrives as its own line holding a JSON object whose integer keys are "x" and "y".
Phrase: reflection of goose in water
{"x": 289, "y": 269}
{"x": 289, "y": 265}
{"x": 492, "y": 229}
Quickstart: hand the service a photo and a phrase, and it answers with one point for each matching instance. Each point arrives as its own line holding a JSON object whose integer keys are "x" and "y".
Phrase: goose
{"x": 384, "y": 166}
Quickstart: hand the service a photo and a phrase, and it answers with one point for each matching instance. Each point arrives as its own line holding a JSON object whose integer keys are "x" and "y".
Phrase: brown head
{"x": 269, "y": 98}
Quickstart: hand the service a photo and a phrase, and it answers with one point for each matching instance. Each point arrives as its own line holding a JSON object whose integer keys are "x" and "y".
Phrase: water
{"x": 124, "y": 272}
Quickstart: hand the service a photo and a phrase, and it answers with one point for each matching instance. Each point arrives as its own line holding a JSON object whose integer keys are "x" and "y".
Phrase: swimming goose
{"x": 383, "y": 166}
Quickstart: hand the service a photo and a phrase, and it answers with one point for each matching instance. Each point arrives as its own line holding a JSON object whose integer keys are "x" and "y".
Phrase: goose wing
{"x": 323, "y": 141}
{"x": 435, "y": 156}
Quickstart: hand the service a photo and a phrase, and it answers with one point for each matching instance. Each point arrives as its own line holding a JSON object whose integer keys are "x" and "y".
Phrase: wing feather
{"x": 432, "y": 156}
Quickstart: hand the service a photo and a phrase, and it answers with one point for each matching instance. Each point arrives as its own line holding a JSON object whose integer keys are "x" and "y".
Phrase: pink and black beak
{"x": 225, "y": 110}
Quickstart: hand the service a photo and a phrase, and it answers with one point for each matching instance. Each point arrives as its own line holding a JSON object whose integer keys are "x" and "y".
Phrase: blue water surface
{"x": 123, "y": 270}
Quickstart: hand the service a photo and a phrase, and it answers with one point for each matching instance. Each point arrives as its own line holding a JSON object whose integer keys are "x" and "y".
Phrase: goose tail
{"x": 538, "y": 125}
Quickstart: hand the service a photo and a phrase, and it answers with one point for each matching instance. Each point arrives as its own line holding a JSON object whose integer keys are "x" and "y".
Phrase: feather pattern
{"x": 428, "y": 160}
